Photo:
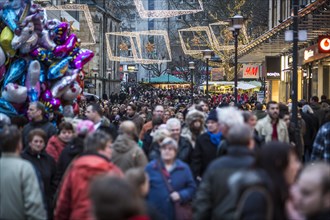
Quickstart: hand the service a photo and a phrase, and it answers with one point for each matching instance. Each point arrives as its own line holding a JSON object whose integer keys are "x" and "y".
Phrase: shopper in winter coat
{"x": 169, "y": 171}
{"x": 21, "y": 197}
{"x": 194, "y": 126}
{"x": 44, "y": 164}
{"x": 73, "y": 201}
{"x": 184, "y": 146}
{"x": 127, "y": 154}
{"x": 57, "y": 143}
{"x": 206, "y": 146}
{"x": 214, "y": 186}
{"x": 74, "y": 148}
{"x": 36, "y": 114}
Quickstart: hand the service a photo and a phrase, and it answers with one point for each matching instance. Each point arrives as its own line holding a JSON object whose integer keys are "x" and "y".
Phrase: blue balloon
{"x": 57, "y": 70}
{"x": 10, "y": 18}
{"x": 7, "y": 108}
{"x": 15, "y": 72}
{"x": 42, "y": 76}
{"x": 22, "y": 80}
{"x": 33, "y": 95}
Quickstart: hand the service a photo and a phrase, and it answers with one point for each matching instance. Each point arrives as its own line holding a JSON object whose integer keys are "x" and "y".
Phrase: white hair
{"x": 172, "y": 122}
{"x": 230, "y": 116}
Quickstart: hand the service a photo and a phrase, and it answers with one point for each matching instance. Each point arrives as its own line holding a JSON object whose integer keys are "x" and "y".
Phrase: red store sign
{"x": 324, "y": 44}
{"x": 251, "y": 71}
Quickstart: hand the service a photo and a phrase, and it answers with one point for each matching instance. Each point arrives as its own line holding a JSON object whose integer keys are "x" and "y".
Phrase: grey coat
{"x": 20, "y": 191}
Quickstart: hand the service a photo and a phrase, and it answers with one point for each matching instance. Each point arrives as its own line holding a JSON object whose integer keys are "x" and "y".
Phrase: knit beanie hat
{"x": 213, "y": 115}
{"x": 85, "y": 127}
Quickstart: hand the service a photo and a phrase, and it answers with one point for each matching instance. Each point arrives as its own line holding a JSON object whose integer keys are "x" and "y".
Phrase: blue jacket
{"x": 181, "y": 180}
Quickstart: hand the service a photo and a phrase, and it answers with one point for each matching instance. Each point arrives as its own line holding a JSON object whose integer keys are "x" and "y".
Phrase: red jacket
{"x": 73, "y": 201}
{"x": 54, "y": 147}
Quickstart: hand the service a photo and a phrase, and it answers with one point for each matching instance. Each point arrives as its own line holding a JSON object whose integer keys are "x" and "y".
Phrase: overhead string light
{"x": 144, "y": 13}
{"x": 77, "y": 7}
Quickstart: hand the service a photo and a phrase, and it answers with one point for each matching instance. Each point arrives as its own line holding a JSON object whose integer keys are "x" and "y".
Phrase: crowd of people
{"x": 153, "y": 154}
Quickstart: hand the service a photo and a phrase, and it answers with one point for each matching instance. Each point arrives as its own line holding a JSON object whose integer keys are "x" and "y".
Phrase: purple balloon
{"x": 55, "y": 103}
{"x": 46, "y": 95}
{"x": 2, "y": 72}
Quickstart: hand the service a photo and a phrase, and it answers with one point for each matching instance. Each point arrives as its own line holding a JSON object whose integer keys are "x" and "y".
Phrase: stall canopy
{"x": 240, "y": 85}
{"x": 167, "y": 79}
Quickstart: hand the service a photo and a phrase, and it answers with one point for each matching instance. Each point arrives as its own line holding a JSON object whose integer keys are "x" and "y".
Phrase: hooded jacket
{"x": 73, "y": 201}
{"x": 44, "y": 124}
{"x": 55, "y": 146}
{"x": 193, "y": 116}
{"x": 126, "y": 154}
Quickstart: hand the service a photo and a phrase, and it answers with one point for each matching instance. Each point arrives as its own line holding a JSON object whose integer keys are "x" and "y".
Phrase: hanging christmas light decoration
{"x": 144, "y": 57}
{"x": 77, "y": 8}
{"x": 123, "y": 46}
{"x": 144, "y": 13}
{"x": 140, "y": 51}
{"x": 197, "y": 31}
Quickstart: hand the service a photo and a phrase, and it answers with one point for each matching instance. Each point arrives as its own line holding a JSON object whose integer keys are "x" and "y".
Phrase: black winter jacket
{"x": 213, "y": 187}
{"x": 203, "y": 154}
{"x": 46, "y": 170}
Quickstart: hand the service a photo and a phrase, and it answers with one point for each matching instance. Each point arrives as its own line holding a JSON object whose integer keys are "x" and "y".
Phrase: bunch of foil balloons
{"x": 40, "y": 59}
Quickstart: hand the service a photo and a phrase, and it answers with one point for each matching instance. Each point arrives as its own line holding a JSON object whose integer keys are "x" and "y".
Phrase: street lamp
{"x": 207, "y": 54}
{"x": 192, "y": 67}
{"x": 236, "y": 24}
{"x": 95, "y": 82}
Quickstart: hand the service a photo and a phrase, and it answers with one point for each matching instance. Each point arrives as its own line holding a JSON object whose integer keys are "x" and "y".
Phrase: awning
{"x": 165, "y": 78}
{"x": 245, "y": 86}
{"x": 314, "y": 18}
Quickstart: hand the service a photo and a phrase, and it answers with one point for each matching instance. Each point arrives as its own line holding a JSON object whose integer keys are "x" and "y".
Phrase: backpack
{"x": 241, "y": 185}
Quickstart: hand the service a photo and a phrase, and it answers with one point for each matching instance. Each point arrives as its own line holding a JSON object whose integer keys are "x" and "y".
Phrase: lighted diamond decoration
{"x": 174, "y": 8}
{"x": 196, "y": 39}
{"x": 147, "y": 47}
{"x": 78, "y": 15}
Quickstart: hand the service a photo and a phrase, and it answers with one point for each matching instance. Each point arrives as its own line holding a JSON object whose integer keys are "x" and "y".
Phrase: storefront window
{"x": 314, "y": 80}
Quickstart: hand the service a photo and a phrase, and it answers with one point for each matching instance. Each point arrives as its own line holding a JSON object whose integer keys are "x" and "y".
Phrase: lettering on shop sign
{"x": 324, "y": 44}
{"x": 250, "y": 71}
{"x": 308, "y": 54}
{"x": 274, "y": 75}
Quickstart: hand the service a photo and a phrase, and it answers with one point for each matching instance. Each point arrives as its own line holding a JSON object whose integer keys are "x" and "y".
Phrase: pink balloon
{"x": 82, "y": 58}
{"x": 67, "y": 47}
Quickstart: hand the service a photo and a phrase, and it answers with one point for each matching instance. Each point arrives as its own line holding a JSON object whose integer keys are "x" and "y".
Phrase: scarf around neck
{"x": 215, "y": 138}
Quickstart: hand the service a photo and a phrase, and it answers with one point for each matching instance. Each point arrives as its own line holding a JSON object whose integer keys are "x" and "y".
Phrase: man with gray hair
{"x": 36, "y": 114}
{"x": 173, "y": 125}
{"x": 73, "y": 201}
{"x": 227, "y": 118}
{"x": 214, "y": 187}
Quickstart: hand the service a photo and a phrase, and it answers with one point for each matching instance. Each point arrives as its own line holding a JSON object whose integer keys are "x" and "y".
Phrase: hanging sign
{"x": 324, "y": 44}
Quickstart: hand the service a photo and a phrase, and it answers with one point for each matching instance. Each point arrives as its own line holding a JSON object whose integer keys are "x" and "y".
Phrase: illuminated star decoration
{"x": 123, "y": 46}
{"x": 77, "y": 8}
{"x": 144, "y": 13}
{"x": 150, "y": 47}
{"x": 196, "y": 40}
{"x": 199, "y": 29}
{"x": 135, "y": 40}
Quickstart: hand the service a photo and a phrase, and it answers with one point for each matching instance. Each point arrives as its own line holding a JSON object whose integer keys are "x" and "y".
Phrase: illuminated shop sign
{"x": 251, "y": 71}
{"x": 324, "y": 44}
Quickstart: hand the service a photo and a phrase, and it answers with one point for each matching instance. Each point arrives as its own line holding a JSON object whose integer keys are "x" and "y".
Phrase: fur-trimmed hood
{"x": 194, "y": 115}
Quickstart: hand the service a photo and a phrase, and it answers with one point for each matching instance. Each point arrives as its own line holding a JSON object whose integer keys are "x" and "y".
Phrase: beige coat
{"x": 265, "y": 130}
